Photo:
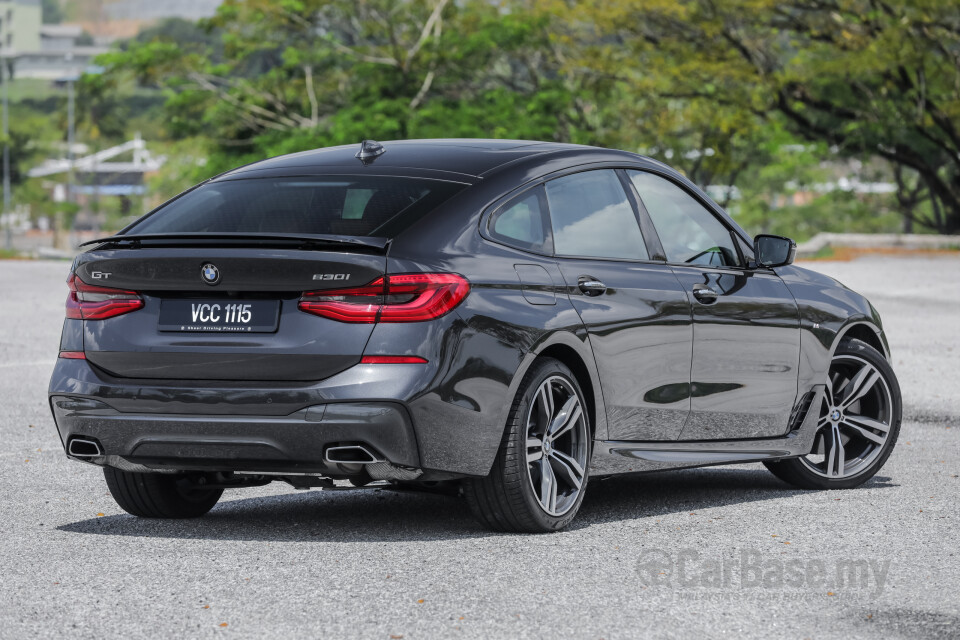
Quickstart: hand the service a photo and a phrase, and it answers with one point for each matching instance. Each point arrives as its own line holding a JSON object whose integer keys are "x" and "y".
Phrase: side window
{"x": 521, "y": 222}
{"x": 688, "y": 231}
{"x": 592, "y": 217}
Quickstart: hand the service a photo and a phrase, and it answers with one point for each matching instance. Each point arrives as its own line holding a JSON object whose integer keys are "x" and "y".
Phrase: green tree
{"x": 27, "y": 131}
{"x": 866, "y": 77}
{"x": 276, "y": 77}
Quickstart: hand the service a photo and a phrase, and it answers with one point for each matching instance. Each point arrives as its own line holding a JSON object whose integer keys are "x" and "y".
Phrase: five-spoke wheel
{"x": 556, "y": 445}
{"x": 859, "y": 420}
{"x": 854, "y": 420}
{"x": 540, "y": 474}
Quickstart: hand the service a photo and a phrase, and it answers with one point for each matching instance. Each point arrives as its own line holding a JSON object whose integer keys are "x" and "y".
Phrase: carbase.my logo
{"x": 752, "y": 569}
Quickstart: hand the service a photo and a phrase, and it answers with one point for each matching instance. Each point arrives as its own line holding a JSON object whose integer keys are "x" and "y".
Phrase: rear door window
{"x": 379, "y": 206}
{"x": 592, "y": 218}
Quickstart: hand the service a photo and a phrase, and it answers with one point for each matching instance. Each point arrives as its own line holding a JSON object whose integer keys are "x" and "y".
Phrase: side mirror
{"x": 774, "y": 251}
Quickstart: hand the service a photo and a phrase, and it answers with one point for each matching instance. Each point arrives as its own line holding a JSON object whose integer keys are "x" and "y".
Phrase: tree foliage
{"x": 760, "y": 96}
{"x": 296, "y": 74}
{"x": 867, "y": 77}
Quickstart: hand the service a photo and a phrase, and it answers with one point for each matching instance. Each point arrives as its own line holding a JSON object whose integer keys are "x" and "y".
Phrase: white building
{"x": 32, "y": 49}
{"x": 20, "y": 22}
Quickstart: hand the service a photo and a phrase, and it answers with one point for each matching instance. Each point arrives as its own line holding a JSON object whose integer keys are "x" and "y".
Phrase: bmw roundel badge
{"x": 210, "y": 273}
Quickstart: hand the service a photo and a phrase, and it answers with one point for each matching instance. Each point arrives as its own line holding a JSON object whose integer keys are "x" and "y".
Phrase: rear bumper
{"x": 276, "y": 427}
{"x": 293, "y": 443}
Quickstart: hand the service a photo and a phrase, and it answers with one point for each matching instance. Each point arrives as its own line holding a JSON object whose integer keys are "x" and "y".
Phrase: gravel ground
{"x": 725, "y": 551}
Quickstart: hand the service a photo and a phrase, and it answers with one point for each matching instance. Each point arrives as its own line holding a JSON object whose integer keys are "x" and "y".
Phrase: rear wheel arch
{"x": 543, "y": 458}
{"x": 572, "y": 351}
{"x": 569, "y": 357}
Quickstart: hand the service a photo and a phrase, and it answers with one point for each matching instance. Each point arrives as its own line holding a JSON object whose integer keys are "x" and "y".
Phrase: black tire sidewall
{"x": 156, "y": 495}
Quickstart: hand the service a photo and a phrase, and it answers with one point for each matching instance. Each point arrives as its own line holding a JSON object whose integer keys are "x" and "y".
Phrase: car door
{"x": 746, "y": 327}
{"x": 636, "y": 314}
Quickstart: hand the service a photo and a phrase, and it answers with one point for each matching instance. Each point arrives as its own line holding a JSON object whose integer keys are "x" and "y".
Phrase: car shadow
{"x": 394, "y": 516}
{"x": 653, "y": 495}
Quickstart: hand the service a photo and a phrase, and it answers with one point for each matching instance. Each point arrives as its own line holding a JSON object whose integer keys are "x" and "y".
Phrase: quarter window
{"x": 592, "y": 217}
{"x": 688, "y": 231}
{"x": 521, "y": 222}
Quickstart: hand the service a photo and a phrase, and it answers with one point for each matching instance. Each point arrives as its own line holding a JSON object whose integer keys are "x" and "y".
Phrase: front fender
{"x": 829, "y": 311}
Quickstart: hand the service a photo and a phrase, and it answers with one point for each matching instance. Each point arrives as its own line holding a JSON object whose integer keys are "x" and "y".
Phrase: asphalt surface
{"x": 725, "y": 551}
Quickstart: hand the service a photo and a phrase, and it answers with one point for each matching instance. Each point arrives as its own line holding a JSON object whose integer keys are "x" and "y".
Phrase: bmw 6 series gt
{"x": 516, "y": 317}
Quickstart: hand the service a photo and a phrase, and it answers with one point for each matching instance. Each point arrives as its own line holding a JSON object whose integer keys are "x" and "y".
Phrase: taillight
{"x": 399, "y": 298}
{"x": 360, "y": 304}
{"x": 90, "y": 302}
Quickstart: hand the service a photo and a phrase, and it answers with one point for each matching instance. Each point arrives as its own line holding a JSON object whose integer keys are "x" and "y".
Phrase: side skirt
{"x": 612, "y": 457}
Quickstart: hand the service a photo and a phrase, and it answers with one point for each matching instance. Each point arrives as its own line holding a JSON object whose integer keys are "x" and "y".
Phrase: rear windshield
{"x": 377, "y": 206}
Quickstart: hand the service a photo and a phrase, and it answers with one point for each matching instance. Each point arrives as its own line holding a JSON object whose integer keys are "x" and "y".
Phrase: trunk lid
{"x": 227, "y": 313}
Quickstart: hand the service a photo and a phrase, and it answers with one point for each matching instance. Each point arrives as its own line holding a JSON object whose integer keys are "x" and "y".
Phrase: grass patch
{"x": 845, "y": 254}
{"x": 33, "y": 88}
{"x": 39, "y": 89}
{"x": 824, "y": 253}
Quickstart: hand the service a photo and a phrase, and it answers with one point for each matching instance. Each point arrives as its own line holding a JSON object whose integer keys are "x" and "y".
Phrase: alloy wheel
{"x": 557, "y": 446}
{"x": 855, "y": 419}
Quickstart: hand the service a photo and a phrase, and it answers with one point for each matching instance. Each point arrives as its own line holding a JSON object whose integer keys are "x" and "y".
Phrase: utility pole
{"x": 59, "y": 237}
{"x": 6, "y": 148}
{"x": 71, "y": 133}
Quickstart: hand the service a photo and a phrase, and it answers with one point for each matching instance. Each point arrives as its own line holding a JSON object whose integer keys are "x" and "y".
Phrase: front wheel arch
{"x": 803, "y": 473}
{"x": 863, "y": 331}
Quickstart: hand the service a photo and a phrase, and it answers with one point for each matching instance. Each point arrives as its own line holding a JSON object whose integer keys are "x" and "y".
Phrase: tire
{"x": 506, "y": 499}
{"x": 853, "y": 423}
{"x": 157, "y": 495}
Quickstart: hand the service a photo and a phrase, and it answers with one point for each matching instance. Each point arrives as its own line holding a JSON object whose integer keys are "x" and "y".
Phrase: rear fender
{"x": 564, "y": 345}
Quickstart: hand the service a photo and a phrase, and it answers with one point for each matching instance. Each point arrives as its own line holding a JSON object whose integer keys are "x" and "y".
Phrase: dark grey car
{"x": 514, "y": 316}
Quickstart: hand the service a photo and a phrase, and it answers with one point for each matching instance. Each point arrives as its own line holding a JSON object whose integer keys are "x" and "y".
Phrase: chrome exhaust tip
{"x": 350, "y": 454}
{"x": 83, "y": 448}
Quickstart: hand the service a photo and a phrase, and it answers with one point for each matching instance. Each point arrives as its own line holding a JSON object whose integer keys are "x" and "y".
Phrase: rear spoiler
{"x": 305, "y": 240}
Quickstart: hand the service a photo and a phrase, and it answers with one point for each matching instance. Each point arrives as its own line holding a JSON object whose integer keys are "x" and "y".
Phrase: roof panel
{"x": 466, "y": 156}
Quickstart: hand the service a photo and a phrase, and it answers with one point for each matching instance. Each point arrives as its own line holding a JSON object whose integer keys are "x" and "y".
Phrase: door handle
{"x": 704, "y": 294}
{"x": 590, "y": 286}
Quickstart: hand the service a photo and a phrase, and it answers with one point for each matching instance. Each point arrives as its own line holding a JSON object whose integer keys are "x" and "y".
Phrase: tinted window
{"x": 342, "y": 205}
{"x": 592, "y": 217}
{"x": 688, "y": 231}
{"x": 521, "y": 222}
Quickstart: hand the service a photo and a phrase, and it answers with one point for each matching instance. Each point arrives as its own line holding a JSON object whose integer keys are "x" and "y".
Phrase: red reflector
{"x": 413, "y": 297}
{"x": 73, "y": 355}
{"x": 392, "y": 360}
{"x": 90, "y": 302}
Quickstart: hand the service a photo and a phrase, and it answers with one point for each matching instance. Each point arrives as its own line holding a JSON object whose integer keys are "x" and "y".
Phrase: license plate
{"x": 244, "y": 316}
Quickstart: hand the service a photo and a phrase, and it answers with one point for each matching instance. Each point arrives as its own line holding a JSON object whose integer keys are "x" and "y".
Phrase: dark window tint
{"x": 521, "y": 222}
{"x": 341, "y": 205}
{"x": 688, "y": 231}
{"x": 592, "y": 217}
